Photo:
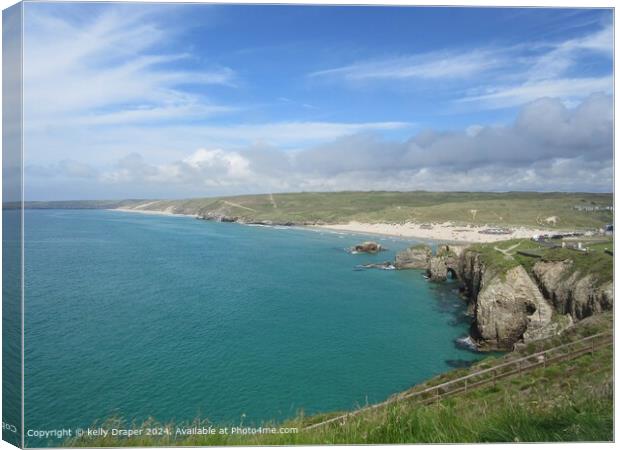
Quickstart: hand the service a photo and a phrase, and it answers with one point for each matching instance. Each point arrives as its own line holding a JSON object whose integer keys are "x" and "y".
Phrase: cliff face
{"x": 509, "y": 308}
{"x": 570, "y": 292}
{"x": 470, "y": 271}
{"x": 446, "y": 260}
{"x": 509, "y": 305}
{"x": 506, "y": 307}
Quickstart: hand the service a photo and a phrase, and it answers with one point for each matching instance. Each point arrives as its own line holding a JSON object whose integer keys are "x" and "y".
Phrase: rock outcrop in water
{"x": 445, "y": 262}
{"x": 386, "y": 265}
{"x": 367, "y": 247}
{"x": 416, "y": 257}
{"x": 437, "y": 266}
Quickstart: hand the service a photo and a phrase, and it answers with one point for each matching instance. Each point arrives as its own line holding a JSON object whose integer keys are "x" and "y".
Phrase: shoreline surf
{"x": 444, "y": 232}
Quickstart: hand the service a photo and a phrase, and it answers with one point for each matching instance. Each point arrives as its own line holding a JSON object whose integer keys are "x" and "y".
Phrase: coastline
{"x": 442, "y": 232}
{"x": 166, "y": 212}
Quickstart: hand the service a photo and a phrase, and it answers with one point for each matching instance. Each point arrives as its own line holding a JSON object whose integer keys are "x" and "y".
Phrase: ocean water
{"x": 137, "y": 316}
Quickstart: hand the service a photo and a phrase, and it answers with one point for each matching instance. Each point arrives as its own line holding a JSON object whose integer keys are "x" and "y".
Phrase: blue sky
{"x": 138, "y": 100}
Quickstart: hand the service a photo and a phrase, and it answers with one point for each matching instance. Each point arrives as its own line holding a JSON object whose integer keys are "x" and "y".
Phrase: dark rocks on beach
{"x": 231, "y": 219}
{"x": 218, "y": 218}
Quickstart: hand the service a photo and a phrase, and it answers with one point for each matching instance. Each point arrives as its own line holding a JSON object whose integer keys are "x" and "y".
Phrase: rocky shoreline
{"x": 510, "y": 307}
{"x": 443, "y": 232}
{"x": 514, "y": 306}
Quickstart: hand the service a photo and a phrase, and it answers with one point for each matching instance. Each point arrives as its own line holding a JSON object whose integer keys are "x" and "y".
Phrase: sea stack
{"x": 367, "y": 247}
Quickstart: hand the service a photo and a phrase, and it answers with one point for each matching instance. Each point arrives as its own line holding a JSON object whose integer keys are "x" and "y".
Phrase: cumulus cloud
{"x": 204, "y": 167}
{"x": 548, "y": 147}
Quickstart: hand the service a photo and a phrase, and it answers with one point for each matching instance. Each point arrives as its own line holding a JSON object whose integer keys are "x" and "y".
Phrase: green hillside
{"x": 551, "y": 210}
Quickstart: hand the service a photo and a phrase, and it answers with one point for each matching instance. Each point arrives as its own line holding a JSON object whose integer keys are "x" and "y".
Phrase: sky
{"x": 195, "y": 100}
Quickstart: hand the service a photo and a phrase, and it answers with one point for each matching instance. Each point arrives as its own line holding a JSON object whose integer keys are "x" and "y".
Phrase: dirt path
{"x": 273, "y": 201}
{"x": 237, "y": 205}
{"x": 145, "y": 205}
{"x": 506, "y": 252}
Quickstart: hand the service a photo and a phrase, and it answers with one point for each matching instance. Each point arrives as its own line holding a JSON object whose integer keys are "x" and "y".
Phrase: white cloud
{"x": 284, "y": 133}
{"x": 561, "y": 57}
{"x": 203, "y": 168}
{"x": 99, "y": 88}
{"x": 231, "y": 164}
{"x": 436, "y": 65}
{"x": 100, "y": 146}
{"x": 112, "y": 115}
{"x": 494, "y": 77}
{"x": 548, "y": 147}
{"x": 565, "y": 88}
{"x": 106, "y": 70}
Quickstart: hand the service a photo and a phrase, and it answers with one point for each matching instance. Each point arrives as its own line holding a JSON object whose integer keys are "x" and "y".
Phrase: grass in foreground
{"x": 567, "y": 401}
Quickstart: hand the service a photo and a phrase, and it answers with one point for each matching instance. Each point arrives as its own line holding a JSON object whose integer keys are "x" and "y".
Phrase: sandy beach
{"x": 438, "y": 232}
{"x": 444, "y": 232}
{"x": 166, "y": 212}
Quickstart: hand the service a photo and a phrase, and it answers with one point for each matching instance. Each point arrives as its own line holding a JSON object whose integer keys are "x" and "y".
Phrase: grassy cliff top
{"x": 503, "y": 256}
{"x": 532, "y": 209}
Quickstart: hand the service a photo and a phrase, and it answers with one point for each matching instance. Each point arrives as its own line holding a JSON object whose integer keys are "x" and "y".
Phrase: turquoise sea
{"x": 134, "y": 316}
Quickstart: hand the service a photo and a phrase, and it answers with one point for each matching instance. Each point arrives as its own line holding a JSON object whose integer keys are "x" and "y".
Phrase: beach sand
{"x": 444, "y": 232}
{"x": 165, "y": 212}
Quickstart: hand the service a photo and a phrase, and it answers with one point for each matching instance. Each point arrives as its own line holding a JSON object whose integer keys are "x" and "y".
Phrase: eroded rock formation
{"x": 571, "y": 292}
{"x": 445, "y": 262}
{"x": 416, "y": 257}
{"x": 510, "y": 308}
{"x": 367, "y": 247}
{"x": 508, "y": 303}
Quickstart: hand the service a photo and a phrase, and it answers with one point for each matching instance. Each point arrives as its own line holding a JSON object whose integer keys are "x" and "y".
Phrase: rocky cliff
{"x": 445, "y": 262}
{"x": 509, "y": 308}
{"x": 510, "y": 304}
{"x": 571, "y": 291}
